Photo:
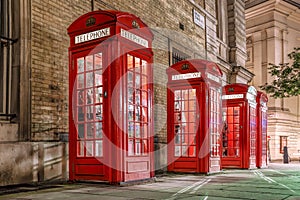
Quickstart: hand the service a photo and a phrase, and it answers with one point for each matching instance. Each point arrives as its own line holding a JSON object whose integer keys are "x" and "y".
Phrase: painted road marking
{"x": 194, "y": 187}
{"x": 270, "y": 180}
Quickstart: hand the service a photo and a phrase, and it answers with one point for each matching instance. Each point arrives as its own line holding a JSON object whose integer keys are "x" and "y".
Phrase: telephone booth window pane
{"x": 99, "y": 131}
{"x": 144, "y": 82}
{"x": 252, "y": 132}
{"x": 137, "y": 80}
{"x": 99, "y": 112}
{"x": 145, "y": 147}
{"x": 129, "y": 61}
{"x": 80, "y": 114}
{"x": 80, "y": 131}
{"x": 89, "y": 113}
{"x": 99, "y": 95}
{"x": 89, "y": 96}
{"x": 130, "y": 147}
{"x": 90, "y": 131}
{"x": 144, "y": 67}
{"x": 137, "y": 131}
{"x": 98, "y": 78}
{"x": 80, "y": 65}
{"x": 184, "y": 151}
{"x": 89, "y": 63}
{"x": 98, "y": 61}
{"x": 137, "y": 147}
{"x": 80, "y": 80}
{"x": 80, "y": 148}
{"x": 89, "y": 80}
{"x": 89, "y": 148}
{"x": 99, "y": 148}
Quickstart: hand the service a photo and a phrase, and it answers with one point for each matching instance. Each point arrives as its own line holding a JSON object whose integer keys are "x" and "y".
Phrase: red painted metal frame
{"x": 244, "y": 160}
{"x": 202, "y": 162}
{"x": 115, "y": 160}
{"x": 262, "y": 152}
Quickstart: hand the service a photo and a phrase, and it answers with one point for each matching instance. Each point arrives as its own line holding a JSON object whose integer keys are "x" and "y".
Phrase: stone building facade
{"x": 273, "y": 31}
{"x": 34, "y": 69}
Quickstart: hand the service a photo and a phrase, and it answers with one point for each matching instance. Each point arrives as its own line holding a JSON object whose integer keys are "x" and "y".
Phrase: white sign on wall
{"x": 92, "y": 35}
{"x": 186, "y": 76}
{"x": 199, "y": 19}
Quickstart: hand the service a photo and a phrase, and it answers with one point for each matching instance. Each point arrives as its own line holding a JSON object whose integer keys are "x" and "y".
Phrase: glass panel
{"x": 80, "y": 65}
{"x": 89, "y": 79}
{"x": 98, "y": 78}
{"x": 144, "y": 114}
{"x": 99, "y": 148}
{"x": 130, "y": 79}
{"x": 90, "y": 130}
{"x": 80, "y": 97}
{"x": 89, "y": 112}
{"x": 130, "y": 95}
{"x": 89, "y": 148}
{"x": 137, "y": 97}
{"x": 144, "y": 83}
{"x": 144, "y": 129}
{"x": 137, "y": 113}
{"x": 99, "y": 95}
{"x": 137, "y": 65}
{"x": 99, "y": 111}
{"x": 177, "y": 151}
{"x": 145, "y": 146}
{"x": 138, "y": 147}
{"x": 192, "y": 151}
{"x": 144, "y": 67}
{"x": 129, "y": 61}
{"x": 80, "y": 81}
{"x": 98, "y": 61}
{"x": 130, "y": 112}
{"x": 80, "y": 148}
{"x": 89, "y": 62}
{"x": 99, "y": 130}
{"x": 80, "y": 131}
{"x": 137, "y": 131}
{"x": 80, "y": 114}
{"x": 145, "y": 98}
{"x": 89, "y": 96}
{"x": 130, "y": 147}
{"x": 137, "y": 81}
{"x": 184, "y": 151}
{"x": 130, "y": 129}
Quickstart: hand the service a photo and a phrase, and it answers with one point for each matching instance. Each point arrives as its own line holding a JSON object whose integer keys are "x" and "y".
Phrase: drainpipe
{"x": 92, "y": 4}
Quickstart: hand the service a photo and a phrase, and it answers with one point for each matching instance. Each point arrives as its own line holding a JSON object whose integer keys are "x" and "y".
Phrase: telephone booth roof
{"x": 239, "y": 91}
{"x": 109, "y": 18}
{"x": 261, "y": 97}
{"x": 194, "y": 70}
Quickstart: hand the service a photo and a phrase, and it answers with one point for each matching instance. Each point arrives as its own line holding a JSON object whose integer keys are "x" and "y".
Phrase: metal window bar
{"x": 5, "y": 60}
{"x": 178, "y": 56}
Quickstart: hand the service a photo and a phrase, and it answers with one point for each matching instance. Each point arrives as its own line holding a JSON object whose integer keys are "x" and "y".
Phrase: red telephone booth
{"x": 261, "y": 154}
{"x": 194, "y": 116}
{"x": 110, "y": 96}
{"x": 239, "y": 126}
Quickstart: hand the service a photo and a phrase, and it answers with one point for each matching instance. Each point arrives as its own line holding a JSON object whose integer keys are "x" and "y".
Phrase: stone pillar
{"x": 236, "y": 32}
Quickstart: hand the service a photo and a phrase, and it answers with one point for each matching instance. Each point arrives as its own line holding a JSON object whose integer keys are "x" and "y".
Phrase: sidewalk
{"x": 278, "y": 181}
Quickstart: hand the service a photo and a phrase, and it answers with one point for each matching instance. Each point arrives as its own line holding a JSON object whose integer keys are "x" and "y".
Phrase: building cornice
{"x": 284, "y": 7}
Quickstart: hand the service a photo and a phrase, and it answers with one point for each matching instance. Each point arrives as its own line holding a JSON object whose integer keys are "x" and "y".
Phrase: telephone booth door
{"x": 261, "y": 155}
{"x": 110, "y": 96}
{"x": 239, "y": 126}
{"x": 194, "y": 116}
{"x": 88, "y": 115}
